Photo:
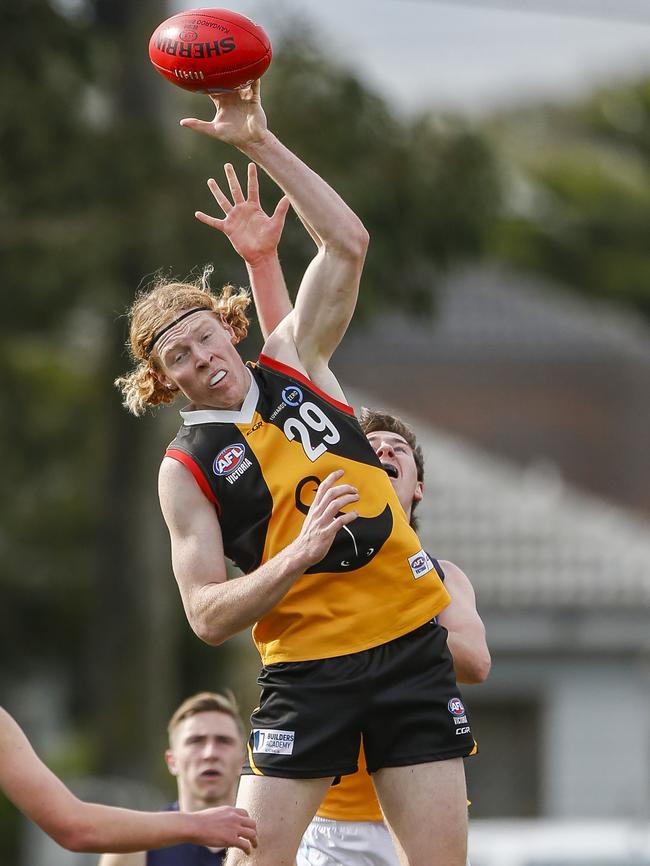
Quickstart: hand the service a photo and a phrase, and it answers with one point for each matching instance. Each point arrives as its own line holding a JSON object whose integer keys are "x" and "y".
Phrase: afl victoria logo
{"x": 228, "y": 459}
{"x": 456, "y": 707}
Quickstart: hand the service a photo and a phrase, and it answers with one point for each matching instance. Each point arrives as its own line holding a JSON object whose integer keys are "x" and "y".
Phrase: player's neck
{"x": 189, "y": 803}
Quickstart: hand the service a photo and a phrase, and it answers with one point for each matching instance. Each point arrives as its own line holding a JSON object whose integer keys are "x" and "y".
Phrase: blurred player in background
{"x": 205, "y": 754}
{"x": 81, "y": 826}
{"x": 271, "y": 469}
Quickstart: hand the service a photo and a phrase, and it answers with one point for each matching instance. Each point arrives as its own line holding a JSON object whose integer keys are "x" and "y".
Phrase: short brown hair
{"x": 155, "y": 307}
{"x": 372, "y": 421}
{"x": 207, "y": 702}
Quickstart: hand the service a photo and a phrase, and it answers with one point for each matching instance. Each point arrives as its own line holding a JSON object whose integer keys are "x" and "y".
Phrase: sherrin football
{"x": 210, "y": 50}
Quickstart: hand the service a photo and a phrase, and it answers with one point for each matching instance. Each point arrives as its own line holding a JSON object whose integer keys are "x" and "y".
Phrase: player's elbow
{"x": 351, "y": 243}
{"x": 207, "y": 630}
{"x": 479, "y": 669}
{"x": 356, "y": 242}
{"x": 76, "y": 835}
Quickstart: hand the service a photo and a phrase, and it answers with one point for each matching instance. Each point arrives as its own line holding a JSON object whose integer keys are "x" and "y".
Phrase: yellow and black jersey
{"x": 261, "y": 466}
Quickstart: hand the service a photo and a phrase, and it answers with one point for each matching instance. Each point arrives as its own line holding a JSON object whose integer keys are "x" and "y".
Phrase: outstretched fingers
{"x": 280, "y": 212}
{"x": 233, "y": 183}
{"x": 253, "y": 184}
{"x": 220, "y": 197}
{"x": 211, "y": 221}
{"x": 204, "y": 126}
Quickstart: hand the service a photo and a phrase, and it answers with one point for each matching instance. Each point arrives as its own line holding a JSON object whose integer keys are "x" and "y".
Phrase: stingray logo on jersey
{"x": 420, "y": 563}
{"x": 273, "y": 742}
{"x": 231, "y": 462}
{"x": 292, "y": 396}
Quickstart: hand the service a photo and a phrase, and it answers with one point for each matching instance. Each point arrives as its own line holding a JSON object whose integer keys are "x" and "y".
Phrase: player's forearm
{"x": 218, "y": 611}
{"x": 270, "y": 293}
{"x": 96, "y": 828}
{"x": 471, "y": 657}
{"x": 315, "y": 202}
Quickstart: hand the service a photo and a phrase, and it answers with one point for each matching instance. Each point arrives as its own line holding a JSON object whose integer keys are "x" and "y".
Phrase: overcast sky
{"x": 468, "y": 55}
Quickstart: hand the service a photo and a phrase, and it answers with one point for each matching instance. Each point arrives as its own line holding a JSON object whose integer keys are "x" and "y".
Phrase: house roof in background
{"x": 489, "y": 310}
{"x": 526, "y": 538}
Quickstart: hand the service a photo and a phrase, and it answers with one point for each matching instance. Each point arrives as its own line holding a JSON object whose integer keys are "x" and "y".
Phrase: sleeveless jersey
{"x": 186, "y": 854}
{"x": 261, "y": 466}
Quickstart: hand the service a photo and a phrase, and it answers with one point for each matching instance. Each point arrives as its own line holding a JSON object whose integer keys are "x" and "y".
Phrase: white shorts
{"x": 346, "y": 843}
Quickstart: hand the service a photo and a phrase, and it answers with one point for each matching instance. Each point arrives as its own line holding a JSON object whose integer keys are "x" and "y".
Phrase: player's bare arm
{"x": 81, "y": 826}
{"x": 255, "y": 237}
{"x": 328, "y": 293}
{"x": 466, "y": 639}
{"x": 137, "y": 858}
{"x": 218, "y": 608}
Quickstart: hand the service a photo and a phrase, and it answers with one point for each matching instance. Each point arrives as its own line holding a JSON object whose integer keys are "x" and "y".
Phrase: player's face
{"x": 396, "y": 456}
{"x": 198, "y": 357}
{"x": 206, "y": 756}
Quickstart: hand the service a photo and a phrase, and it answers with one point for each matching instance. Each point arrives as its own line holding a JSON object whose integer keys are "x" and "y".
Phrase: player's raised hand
{"x": 225, "y": 827}
{"x": 239, "y": 118}
{"x": 325, "y": 517}
{"x": 252, "y": 232}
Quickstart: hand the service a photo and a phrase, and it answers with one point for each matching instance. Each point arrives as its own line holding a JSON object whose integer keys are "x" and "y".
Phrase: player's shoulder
{"x": 280, "y": 346}
{"x": 177, "y": 487}
{"x": 455, "y": 577}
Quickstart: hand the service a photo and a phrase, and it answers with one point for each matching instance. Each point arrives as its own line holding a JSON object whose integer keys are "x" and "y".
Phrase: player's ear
{"x": 418, "y": 493}
{"x": 170, "y": 760}
{"x": 229, "y": 330}
{"x": 165, "y": 381}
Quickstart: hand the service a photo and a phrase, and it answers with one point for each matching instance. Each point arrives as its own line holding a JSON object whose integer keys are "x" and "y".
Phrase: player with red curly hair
{"x": 271, "y": 469}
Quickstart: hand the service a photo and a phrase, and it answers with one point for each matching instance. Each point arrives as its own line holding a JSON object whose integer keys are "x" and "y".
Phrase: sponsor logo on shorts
{"x": 292, "y": 396}
{"x": 420, "y": 563}
{"x": 464, "y": 730}
{"x": 456, "y": 707}
{"x": 460, "y": 720}
{"x": 228, "y": 459}
{"x": 273, "y": 742}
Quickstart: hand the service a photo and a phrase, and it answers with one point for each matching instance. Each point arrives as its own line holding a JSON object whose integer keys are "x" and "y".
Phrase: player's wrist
{"x": 259, "y": 144}
{"x": 262, "y": 261}
{"x": 297, "y": 559}
{"x": 194, "y": 827}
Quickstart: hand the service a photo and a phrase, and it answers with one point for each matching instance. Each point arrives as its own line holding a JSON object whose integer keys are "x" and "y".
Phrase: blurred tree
{"x": 579, "y": 201}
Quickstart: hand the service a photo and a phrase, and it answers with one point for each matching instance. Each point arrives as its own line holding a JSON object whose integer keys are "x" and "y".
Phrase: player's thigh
{"x": 346, "y": 843}
{"x": 282, "y": 809}
{"x": 426, "y": 806}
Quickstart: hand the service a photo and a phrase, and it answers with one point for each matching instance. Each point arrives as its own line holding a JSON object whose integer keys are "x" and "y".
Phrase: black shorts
{"x": 401, "y": 697}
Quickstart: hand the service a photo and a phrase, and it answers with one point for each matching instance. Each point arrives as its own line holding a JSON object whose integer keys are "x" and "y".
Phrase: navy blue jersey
{"x": 184, "y": 855}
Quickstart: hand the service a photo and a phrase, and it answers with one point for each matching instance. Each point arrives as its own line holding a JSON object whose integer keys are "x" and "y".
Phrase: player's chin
{"x": 211, "y": 788}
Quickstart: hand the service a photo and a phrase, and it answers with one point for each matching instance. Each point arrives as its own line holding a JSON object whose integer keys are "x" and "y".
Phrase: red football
{"x": 210, "y": 50}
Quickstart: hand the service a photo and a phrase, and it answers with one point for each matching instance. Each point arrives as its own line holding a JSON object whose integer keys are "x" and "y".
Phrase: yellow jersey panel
{"x": 261, "y": 467}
